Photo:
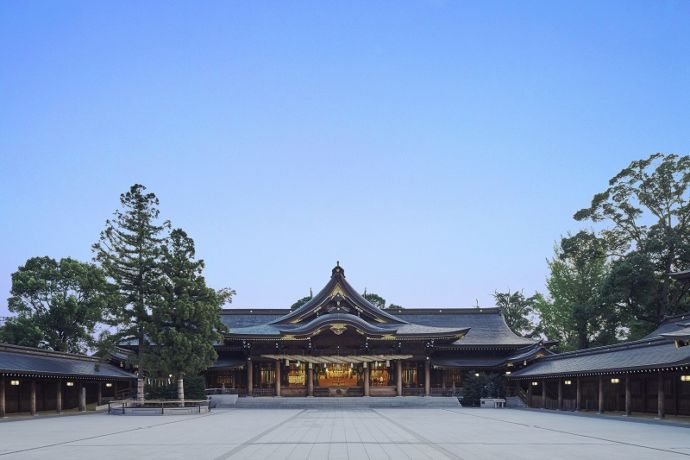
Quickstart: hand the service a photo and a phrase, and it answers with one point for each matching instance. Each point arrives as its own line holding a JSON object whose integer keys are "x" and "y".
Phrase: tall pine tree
{"x": 130, "y": 251}
{"x": 186, "y": 323}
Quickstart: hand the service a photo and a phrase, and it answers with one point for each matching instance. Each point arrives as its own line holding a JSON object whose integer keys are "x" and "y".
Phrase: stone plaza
{"x": 395, "y": 433}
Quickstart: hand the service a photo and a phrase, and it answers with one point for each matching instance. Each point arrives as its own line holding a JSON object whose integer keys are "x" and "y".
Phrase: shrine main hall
{"x": 339, "y": 344}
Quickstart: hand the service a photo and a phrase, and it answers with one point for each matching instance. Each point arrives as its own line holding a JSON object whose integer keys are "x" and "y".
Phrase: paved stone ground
{"x": 343, "y": 434}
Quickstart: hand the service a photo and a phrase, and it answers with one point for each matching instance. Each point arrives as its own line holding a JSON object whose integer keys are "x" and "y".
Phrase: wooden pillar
{"x": 529, "y": 393}
{"x": 366, "y": 379}
{"x": 100, "y": 393}
{"x": 58, "y": 397}
{"x": 278, "y": 377}
{"x": 82, "y": 397}
{"x": 33, "y": 397}
{"x": 644, "y": 393}
{"x": 661, "y": 413}
{"x": 676, "y": 390}
{"x": 628, "y": 395}
{"x": 601, "y": 394}
{"x": 578, "y": 394}
{"x": 310, "y": 380}
{"x": 543, "y": 393}
{"x": 560, "y": 393}
{"x": 427, "y": 377}
{"x": 2, "y": 397}
{"x": 250, "y": 377}
{"x": 398, "y": 377}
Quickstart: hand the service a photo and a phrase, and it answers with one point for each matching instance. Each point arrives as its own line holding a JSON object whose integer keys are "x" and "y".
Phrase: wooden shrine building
{"x": 339, "y": 344}
{"x": 650, "y": 375}
{"x": 33, "y": 380}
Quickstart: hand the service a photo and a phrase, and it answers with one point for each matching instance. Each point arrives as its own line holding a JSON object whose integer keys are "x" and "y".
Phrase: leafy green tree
{"x": 21, "y": 330}
{"x": 58, "y": 304}
{"x": 647, "y": 206}
{"x": 518, "y": 311}
{"x": 375, "y": 299}
{"x": 575, "y": 314}
{"x": 302, "y": 301}
{"x": 130, "y": 251}
{"x": 186, "y": 323}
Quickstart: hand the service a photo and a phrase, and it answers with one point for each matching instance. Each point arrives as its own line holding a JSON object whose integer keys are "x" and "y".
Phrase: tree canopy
{"x": 647, "y": 209}
{"x": 58, "y": 304}
{"x": 130, "y": 251}
{"x": 518, "y": 311}
{"x": 574, "y": 312}
{"x": 185, "y": 324}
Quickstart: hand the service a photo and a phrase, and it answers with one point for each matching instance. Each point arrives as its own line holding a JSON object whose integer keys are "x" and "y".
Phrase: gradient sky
{"x": 437, "y": 149}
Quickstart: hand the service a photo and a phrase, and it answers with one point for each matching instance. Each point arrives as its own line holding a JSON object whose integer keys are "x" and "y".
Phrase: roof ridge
{"x": 8, "y": 347}
{"x": 605, "y": 348}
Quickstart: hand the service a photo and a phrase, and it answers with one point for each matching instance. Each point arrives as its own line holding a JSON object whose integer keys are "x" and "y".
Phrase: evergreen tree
{"x": 58, "y": 304}
{"x": 186, "y": 323}
{"x": 129, "y": 250}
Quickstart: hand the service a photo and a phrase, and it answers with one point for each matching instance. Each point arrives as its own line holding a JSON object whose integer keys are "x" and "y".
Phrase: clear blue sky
{"x": 437, "y": 149}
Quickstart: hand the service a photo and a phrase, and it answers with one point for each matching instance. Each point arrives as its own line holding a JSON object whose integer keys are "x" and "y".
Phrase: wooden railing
{"x": 162, "y": 404}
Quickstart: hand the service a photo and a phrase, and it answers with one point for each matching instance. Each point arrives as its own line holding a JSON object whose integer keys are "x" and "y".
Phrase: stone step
{"x": 342, "y": 402}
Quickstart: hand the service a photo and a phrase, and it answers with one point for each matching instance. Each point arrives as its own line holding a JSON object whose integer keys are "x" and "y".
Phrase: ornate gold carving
{"x": 338, "y": 328}
{"x": 337, "y": 290}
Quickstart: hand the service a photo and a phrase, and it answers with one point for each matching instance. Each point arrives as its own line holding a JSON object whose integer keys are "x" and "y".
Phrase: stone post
{"x": 2, "y": 397}
{"x": 628, "y": 395}
{"x": 180, "y": 389}
{"x": 310, "y": 380}
{"x": 278, "y": 377}
{"x": 601, "y": 394}
{"x": 366, "y": 379}
{"x": 33, "y": 397}
{"x": 140, "y": 390}
{"x": 578, "y": 394}
{"x": 661, "y": 413}
{"x": 82, "y": 397}
{"x": 250, "y": 377}
{"x": 427, "y": 377}
{"x": 398, "y": 377}
{"x": 58, "y": 397}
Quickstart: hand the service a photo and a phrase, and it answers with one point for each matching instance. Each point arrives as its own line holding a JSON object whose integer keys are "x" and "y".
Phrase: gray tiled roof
{"x": 652, "y": 351}
{"x": 633, "y": 356}
{"x": 487, "y": 326}
{"x": 246, "y": 317}
{"x": 25, "y": 360}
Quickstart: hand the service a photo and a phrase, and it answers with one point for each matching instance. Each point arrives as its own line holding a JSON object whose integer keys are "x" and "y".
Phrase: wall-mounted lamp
{"x": 108, "y": 385}
{"x": 615, "y": 380}
{"x": 14, "y": 382}
{"x": 534, "y": 384}
{"x": 69, "y": 384}
{"x": 568, "y": 382}
{"x": 685, "y": 378}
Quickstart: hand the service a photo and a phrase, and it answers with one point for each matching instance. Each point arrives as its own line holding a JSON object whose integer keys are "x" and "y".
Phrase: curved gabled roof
{"x": 339, "y": 296}
{"x": 338, "y": 306}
